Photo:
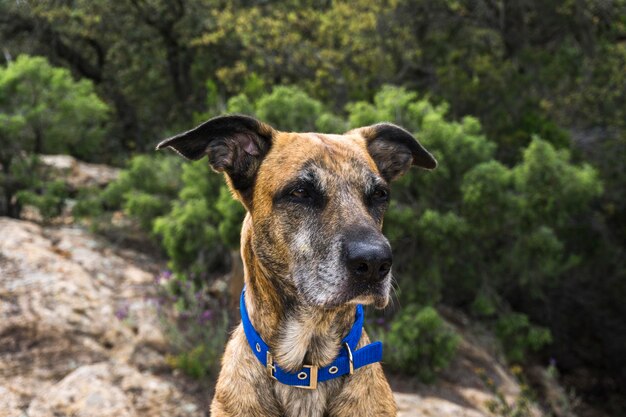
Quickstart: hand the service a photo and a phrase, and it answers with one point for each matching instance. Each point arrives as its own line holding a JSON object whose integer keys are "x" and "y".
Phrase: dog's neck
{"x": 297, "y": 334}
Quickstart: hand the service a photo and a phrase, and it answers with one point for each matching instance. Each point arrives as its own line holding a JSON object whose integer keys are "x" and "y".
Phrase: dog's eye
{"x": 380, "y": 194}
{"x": 301, "y": 193}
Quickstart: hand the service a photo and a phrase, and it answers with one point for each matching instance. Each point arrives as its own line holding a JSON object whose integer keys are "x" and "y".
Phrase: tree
{"x": 43, "y": 110}
{"x": 60, "y": 115}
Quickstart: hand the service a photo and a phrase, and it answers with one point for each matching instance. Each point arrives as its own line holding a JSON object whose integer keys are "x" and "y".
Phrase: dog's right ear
{"x": 235, "y": 144}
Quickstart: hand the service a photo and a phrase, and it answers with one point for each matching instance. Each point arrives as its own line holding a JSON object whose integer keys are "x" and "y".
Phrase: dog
{"x": 313, "y": 251}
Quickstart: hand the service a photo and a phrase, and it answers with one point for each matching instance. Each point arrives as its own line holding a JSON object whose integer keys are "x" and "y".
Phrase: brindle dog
{"x": 312, "y": 249}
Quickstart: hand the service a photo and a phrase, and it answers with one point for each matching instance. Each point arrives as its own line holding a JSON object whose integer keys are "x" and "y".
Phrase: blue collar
{"x": 346, "y": 362}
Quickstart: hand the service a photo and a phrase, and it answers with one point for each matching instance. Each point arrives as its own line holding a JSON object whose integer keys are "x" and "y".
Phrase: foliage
{"x": 145, "y": 190}
{"x": 201, "y": 225}
{"x": 186, "y": 206}
{"x": 484, "y": 236}
{"x": 505, "y": 65}
{"x": 49, "y": 198}
{"x": 418, "y": 342}
{"x": 58, "y": 114}
{"x": 289, "y": 108}
{"x": 500, "y": 406}
{"x": 487, "y": 227}
{"x": 42, "y": 109}
{"x": 519, "y": 337}
{"x": 513, "y": 220}
{"x": 195, "y": 323}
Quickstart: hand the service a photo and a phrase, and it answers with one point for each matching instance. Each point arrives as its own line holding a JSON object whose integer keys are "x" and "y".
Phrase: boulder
{"x": 9, "y": 403}
{"x": 111, "y": 389}
{"x": 79, "y": 174}
{"x": 79, "y": 335}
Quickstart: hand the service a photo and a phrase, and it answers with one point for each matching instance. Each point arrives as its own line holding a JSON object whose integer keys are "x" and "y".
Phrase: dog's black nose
{"x": 369, "y": 260}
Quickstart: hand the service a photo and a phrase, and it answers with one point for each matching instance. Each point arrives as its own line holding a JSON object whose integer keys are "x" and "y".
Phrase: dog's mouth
{"x": 376, "y": 294}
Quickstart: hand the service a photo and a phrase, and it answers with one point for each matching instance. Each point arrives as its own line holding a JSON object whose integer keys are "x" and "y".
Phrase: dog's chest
{"x": 308, "y": 340}
{"x": 298, "y": 402}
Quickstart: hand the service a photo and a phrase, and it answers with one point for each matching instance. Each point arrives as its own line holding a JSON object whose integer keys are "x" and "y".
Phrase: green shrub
{"x": 144, "y": 190}
{"x": 419, "y": 343}
{"x": 519, "y": 337}
{"x": 43, "y": 110}
{"x": 88, "y": 203}
{"x": 156, "y": 175}
{"x": 289, "y": 109}
{"x": 48, "y": 197}
{"x": 499, "y": 406}
{"x": 196, "y": 325}
{"x": 191, "y": 242}
{"x": 391, "y": 104}
{"x": 202, "y": 225}
{"x": 240, "y": 104}
{"x": 60, "y": 115}
{"x": 330, "y": 123}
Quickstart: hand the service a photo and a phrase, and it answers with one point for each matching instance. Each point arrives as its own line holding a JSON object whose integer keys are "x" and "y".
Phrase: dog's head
{"x": 316, "y": 201}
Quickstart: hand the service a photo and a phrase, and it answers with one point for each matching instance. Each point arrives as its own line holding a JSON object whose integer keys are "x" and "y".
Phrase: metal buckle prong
{"x": 312, "y": 378}
{"x": 271, "y": 370}
{"x": 269, "y": 365}
{"x": 349, "y": 357}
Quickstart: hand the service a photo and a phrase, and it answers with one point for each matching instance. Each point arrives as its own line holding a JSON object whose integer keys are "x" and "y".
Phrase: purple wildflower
{"x": 206, "y": 315}
{"x": 122, "y": 312}
{"x": 163, "y": 276}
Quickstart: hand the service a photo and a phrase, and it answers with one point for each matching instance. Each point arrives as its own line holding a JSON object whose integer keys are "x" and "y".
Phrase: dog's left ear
{"x": 394, "y": 150}
{"x": 235, "y": 144}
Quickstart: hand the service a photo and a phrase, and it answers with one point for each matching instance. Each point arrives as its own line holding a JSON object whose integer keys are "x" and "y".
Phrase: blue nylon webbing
{"x": 366, "y": 355}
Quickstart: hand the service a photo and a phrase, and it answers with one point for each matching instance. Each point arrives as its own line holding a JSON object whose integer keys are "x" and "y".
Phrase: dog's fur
{"x": 307, "y": 195}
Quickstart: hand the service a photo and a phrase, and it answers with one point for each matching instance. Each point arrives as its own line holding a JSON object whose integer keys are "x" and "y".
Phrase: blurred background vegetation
{"x": 522, "y": 227}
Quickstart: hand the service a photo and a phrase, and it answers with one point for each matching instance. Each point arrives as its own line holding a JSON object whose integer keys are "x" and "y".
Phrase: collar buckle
{"x": 269, "y": 365}
{"x": 350, "y": 358}
{"x": 312, "y": 374}
{"x": 312, "y": 377}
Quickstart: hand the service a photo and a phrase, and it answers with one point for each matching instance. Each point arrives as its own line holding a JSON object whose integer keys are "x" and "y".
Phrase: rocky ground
{"x": 79, "y": 335}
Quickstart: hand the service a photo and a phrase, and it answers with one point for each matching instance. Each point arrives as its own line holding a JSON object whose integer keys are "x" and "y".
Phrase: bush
{"x": 48, "y": 198}
{"x": 481, "y": 235}
{"x": 191, "y": 242}
{"x": 144, "y": 190}
{"x": 289, "y": 109}
{"x": 195, "y": 324}
{"x": 419, "y": 342}
{"x": 519, "y": 337}
{"x": 499, "y": 406}
{"x": 43, "y": 110}
{"x": 202, "y": 224}
{"x": 60, "y": 115}
{"x": 156, "y": 176}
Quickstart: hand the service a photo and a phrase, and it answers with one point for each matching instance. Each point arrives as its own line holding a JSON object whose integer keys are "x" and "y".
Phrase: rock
{"x": 111, "y": 390}
{"x": 86, "y": 392}
{"x": 413, "y": 405}
{"x": 80, "y": 337}
{"x": 75, "y": 323}
{"x": 9, "y": 403}
{"x": 79, "y": 174}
